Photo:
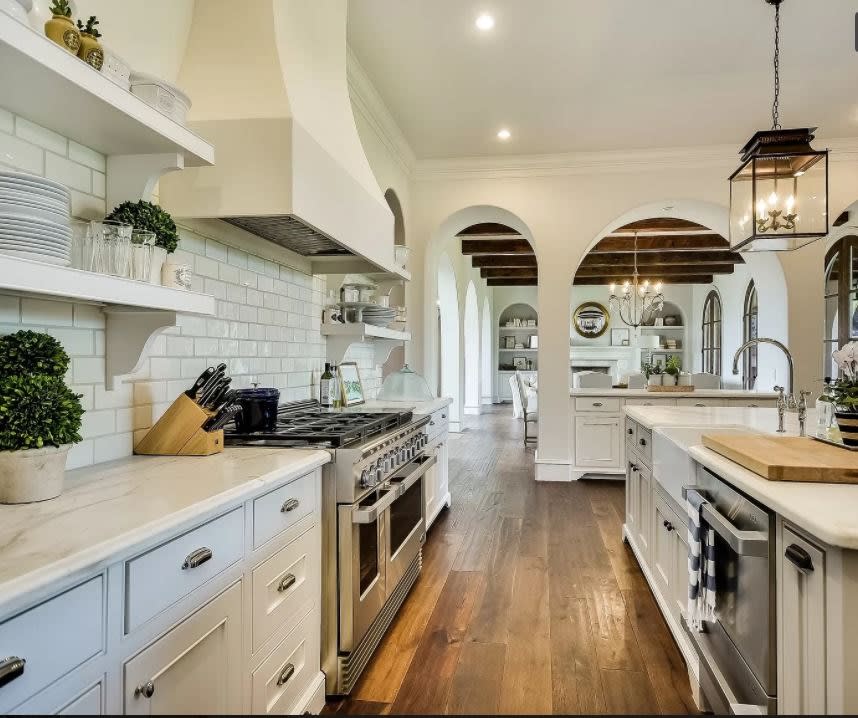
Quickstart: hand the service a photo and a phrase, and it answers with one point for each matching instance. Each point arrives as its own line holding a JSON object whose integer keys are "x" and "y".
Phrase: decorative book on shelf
{"x": 180, "y": 432}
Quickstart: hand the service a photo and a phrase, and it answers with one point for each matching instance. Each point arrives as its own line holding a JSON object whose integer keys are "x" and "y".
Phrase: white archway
{"x": 448, "y": 339}
{"x": 486, "y": 354}
{"x": 472, "y": 351}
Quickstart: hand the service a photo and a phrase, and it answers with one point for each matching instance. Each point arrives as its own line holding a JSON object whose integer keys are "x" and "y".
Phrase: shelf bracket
{"x": 134, "y": 177}
{"x": 129, "y": 334}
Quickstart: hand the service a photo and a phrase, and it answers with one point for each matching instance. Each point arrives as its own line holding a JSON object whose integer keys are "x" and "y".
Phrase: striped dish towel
{"x": 701, "y": 564}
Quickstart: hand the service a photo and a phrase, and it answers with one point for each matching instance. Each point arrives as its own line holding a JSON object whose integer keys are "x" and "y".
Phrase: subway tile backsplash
{"x": 266, "y": 328}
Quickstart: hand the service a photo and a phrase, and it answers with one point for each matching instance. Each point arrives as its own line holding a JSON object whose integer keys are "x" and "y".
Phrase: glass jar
{"x": 111, "y": 248}
{"x": 142, "y": 242}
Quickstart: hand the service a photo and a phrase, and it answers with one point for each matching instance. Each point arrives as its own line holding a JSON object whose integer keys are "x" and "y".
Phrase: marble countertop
{"x": 419, "y": 407}
{"x": 701, "y": 393}
{"x": 827, "y": 511}
{"x": 112, "y": 510}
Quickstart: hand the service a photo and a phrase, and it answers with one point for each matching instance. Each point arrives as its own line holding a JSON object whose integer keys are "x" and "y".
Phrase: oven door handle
{"x": 370, "y": 514}
{"x": 426, "y": 463}
{"x": 745, "y": 543}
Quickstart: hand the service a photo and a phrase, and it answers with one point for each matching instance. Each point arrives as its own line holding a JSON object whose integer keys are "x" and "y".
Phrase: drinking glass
{"x": 141, "y": 254}
{"x": 112, "y": 251}
{"x": 82, "y": 245}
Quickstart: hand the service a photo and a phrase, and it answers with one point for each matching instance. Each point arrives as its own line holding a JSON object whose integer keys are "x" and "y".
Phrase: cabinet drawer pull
{"x": 643, "y": 442}
{"x": 289, "y": 505}
{"x": 799, "y": 557}
{"x": 147, "y": 690}
{"x": 633, "y": 467}
{"x": 196, "y": 558}
{"x": 10, "y": 669}
{"x": 286, "y": 674}
{"x": 630, "y": 431}
{"x": 431, "y": 423}
{"x": 668, "y": 525}
{"x": 597, "y": 403}
{"x": 287, "y": 582}
{"x": 701, "y": 405}
{"x": 753, "y": 406}
{"x": 443, "y": 416}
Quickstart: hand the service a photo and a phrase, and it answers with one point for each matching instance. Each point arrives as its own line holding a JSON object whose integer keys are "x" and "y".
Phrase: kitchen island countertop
{"x": 113, "y": 510}
{"x": 419, "y": 407}
{"x": 827, "y": 511}
{"x": 699, "y": 393}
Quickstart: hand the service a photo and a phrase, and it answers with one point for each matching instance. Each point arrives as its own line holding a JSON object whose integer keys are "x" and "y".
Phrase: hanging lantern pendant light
{"x": 779, "y": 194}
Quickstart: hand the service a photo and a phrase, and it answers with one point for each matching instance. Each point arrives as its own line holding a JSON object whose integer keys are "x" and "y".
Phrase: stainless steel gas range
{"x": 373, "y": 522}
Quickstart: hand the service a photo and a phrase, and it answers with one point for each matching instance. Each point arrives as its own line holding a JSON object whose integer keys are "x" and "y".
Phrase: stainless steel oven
{"x": 737, "y": 651}
{"x": 380, "y": 536}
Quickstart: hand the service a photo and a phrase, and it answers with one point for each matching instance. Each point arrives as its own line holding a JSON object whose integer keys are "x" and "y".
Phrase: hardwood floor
{"x": 529, "y": 601}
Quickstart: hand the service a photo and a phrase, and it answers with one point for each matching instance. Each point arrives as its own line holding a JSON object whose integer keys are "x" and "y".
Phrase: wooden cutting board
{"x": 787, "y": 458}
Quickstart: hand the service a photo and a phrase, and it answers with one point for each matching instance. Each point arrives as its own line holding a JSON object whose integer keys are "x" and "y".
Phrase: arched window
{"x": 841, "y": 299}
{"x": 749, "y": 331}
{"x": 712, "y": 334}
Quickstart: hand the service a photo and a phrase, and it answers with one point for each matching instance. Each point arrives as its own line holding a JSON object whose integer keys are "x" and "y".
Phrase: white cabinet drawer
{"x": 439, "y": 422}
{"x": 597, "y": 403}
{"x": 53, "y": 638}
{"x": 631, "y": 431}
{"x": 283, "y": 677}
{"x": 282, "y": 508}
{"x": 646, "y": 401}
{"x": 88, "y": 703}
{"x": 644, "y": 445}
{"x": 701, "y": 402}
{"x": 165, "y": 574}
{"x": 752, "y": 403}
{"x": 285, "y": 587}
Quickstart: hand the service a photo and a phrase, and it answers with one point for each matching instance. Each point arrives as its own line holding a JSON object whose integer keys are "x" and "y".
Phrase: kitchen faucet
{"x": 785, "y": 402}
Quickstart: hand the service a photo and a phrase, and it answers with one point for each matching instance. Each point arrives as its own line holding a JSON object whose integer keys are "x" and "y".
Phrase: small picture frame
{"x": 509, "y": 342}
{"x": 659, "y": 359}
{"x": 619, "y": 337}
{"x": 520, "y": 363}
{"x": 534, "y": 342}
{"x": 351, "y": 387}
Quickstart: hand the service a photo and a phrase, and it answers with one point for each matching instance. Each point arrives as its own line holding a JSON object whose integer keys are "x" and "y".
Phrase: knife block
{"x": 180, "y": 432}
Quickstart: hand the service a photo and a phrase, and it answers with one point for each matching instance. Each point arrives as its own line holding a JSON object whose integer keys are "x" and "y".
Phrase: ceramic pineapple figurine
{"x": 60, "y": 27}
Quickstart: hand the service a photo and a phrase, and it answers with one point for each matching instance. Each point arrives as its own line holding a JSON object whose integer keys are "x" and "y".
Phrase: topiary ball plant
{"x": 38, "y": 411}
{"x": 149, "y": 217}
{"x": 28, "y": 352}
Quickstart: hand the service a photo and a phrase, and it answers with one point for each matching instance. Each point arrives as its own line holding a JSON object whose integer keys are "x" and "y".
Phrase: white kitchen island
{"x": 596, "y": 428}
{"x": 816, "y": 627}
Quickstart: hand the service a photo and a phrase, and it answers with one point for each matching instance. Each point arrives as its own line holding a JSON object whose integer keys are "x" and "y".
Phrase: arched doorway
{"x": 396, "y": 360}
{"x": 486, "y": 353}
{"x": 448, "y": 335}
{"x": 472, "y": 351}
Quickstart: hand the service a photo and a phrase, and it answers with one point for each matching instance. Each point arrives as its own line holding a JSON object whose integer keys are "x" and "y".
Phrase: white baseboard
{"x": 473, "y": 410}
{"x": 487, "y": 401}
{"x": 455, "y": 427}
{"x": 551, "y": 470}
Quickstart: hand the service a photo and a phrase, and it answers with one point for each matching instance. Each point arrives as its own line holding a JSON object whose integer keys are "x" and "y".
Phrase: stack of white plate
{"x": 34, "y": 218}
{"x": 379, "y": 316}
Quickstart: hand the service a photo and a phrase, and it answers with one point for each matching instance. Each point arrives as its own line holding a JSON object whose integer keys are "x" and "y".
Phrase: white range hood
{"x": 268, "y": 83}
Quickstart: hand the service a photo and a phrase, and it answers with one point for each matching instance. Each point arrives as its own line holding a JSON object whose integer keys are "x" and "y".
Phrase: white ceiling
{"x": 577, "y": 75}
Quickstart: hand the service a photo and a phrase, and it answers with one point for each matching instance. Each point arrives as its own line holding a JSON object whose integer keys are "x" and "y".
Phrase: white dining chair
{"x": 530, "y": 417}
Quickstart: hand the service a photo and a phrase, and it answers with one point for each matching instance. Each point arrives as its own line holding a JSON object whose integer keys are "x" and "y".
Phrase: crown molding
{"x": 368, "y": 101}
{"x": 610, "y": 162}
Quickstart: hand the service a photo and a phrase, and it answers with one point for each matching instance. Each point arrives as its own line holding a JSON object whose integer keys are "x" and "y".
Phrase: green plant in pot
{"x": 146, "y": 216}
{"x": 654, "y": 377}
{"x": 673, "y": 368}
{"x": 90, "y": 50}
{"x": 843, "y": 393}
{"x": 60, "y": 27}
{"x": 40, "y": 417}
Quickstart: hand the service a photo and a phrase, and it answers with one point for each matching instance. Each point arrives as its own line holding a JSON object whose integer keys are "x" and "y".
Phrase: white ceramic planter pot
{"x": 159, "y": 256}
{"x": 685, "y": 380}
{"x": 32, "y": 474}
{"x": 655, "y": 380}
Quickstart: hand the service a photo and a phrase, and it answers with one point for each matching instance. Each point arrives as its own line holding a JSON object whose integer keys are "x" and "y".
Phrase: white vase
{"x": 654, "y": 380}
{"x": 684, "y": 380}
{"x": 32, "y": 474}
{"x": 159, "y": 256}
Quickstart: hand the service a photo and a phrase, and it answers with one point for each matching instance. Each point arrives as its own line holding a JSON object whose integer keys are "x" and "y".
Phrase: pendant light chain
{"x": 776, "y": 125}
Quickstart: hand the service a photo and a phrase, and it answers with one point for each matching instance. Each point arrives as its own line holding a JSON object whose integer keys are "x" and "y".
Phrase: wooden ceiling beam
{"x": 660, "y": 223}
{"x": 499, "y": 272}
{"x": 664, "y": 271}
{"x": 686, "y": 279}
{"x": 496, "y": 246}
{"x": 513, "y": 282}
{"x": 495, "y": 229}
{"x": 660, "y": 258}
{"x": 503, "y": 260}
{"x": 661, "y": 242}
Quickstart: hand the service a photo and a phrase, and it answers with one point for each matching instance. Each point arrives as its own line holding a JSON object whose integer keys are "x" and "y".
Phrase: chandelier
{"x": 779, "y": 194}
{"x": 637, "y": 299}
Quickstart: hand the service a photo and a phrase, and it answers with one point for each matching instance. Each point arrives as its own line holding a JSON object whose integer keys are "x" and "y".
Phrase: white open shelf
{"x": 665, "y": 329}
{"x": 504, "y": 349}
{"x": 135, "y": 312}
{"x": 342, "y": 336}
{"x": 518, "y": 329}
{"x": 46, "y": 84}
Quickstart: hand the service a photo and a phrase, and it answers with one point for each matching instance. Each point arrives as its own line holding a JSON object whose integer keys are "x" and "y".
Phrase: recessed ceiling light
{"x": 504, "y": 134}
{"x": 485, "y": 22}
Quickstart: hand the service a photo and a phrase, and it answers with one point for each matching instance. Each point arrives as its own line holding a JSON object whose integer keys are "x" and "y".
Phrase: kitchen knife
{"x": 218, "y": 374}
{"x": 213, "y": 392}
{"x": 223, "y": 418}
{"x": 217, "y": 398}
{"x": 201, "y": 381}
{"x": 225, "y": 400}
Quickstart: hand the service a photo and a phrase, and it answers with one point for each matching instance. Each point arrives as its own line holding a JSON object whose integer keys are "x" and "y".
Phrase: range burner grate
{"x": 307, "y": 423}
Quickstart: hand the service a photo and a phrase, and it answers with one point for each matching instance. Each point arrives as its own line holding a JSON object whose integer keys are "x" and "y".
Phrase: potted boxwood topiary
{"x": 90, "y": 51}
{"x": 40, "y": 417}
{"x": 60, "y": 27}
{"x": 150, "y": 217}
